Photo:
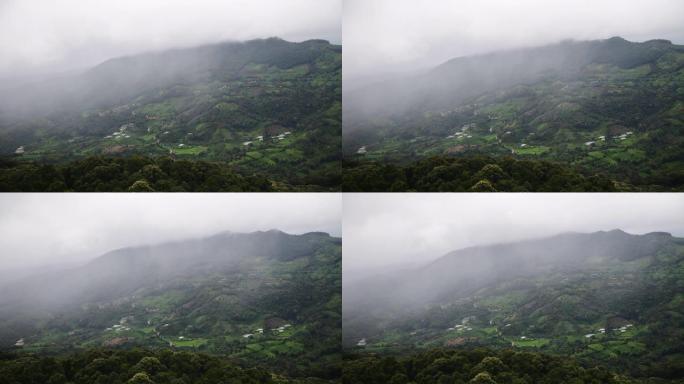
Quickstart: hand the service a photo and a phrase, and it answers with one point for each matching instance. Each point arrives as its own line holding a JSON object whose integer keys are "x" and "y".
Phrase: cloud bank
{"x": 385, "y": 36}
{"x": 384, "y": 230}
{"x": 45, "y": 229}
{"x": 43, "y": 36}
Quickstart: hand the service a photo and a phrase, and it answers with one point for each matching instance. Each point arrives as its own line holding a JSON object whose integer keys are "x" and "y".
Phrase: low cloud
{"x": 383, "y": 230}
{"x": 43, "y": 36}
{"x": 385, "y": 36}
{"x": 52, "y": 229}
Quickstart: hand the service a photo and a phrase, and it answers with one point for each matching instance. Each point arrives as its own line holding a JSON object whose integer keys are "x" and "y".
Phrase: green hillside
{"x": 264, "y": 299}
{"x": 616, "y": 302}
{"x": 610, "y": 108}
{"x": 265, "y": 107}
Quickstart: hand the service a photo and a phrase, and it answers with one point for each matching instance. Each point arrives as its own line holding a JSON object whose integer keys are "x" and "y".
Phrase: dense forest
{"x": 138, "y": 366}
{"x": 610, "y": 107}
{"x": 266, "y": 107}
{"x": 129, "y": 174}
{"x": 471, "y": 174}
{"x": 475, "y": 366}
{"x": 145, "y": 174}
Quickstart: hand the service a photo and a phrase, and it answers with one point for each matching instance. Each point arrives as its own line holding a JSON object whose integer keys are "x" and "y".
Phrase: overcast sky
{"x": 400, "y": 35}
{"x": 56, "y": 228}
{"x": 403, "y": 229}
{"x": 47, "y": 35}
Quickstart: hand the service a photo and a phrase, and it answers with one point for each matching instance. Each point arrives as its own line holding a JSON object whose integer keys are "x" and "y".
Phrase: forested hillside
{"x": 265, "y": 107}
{"x": 606, "y": 298}
{"x": 262, "y": 299}
{"x": 611, "y": 108}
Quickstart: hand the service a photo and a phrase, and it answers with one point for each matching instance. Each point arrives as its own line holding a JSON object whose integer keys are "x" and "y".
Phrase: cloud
{"x": 383, "y": 230}
{"x": 58, "y": 228}
{"x": 45, "y": 35}
{"x": 402, "y": 35}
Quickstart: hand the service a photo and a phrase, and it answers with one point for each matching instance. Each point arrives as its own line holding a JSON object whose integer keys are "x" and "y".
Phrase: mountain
{"x": 267, "y": 106}
{"x": 604, "y": 107}
{"x": 608, "y": 297}
{"x": 263, "y": 298}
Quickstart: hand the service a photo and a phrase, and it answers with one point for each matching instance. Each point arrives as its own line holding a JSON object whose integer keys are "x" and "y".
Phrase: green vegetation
{"x": 276, "y": 304}
{"x": 616, "y": 110}
{"x": 266, "y": 107}
{"x": 620, "y": 308}
{"x": 476, "y": 366}
{"x": 470, "y": 174}
{"x": 137, "y": 174}
{"x": 132, "y": 174}
{"x": 138, "y": 366}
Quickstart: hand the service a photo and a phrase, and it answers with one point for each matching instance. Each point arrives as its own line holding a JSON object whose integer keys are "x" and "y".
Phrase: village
{"x": 470, "y": 330}
{"x": 471, "y": 136}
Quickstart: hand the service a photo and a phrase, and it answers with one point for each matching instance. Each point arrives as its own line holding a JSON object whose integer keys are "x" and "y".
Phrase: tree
{"x": 482, "y": 378}
{"x": 140, "y": 378}
{"x": 483, "y": 186}
{"x": 141, "y": 186}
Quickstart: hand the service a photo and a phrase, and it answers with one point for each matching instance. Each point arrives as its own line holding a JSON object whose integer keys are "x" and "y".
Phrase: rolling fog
{"x": 40, "y": 37}
{"x": 78, "y": 54}
{"x": 406, "y": 254}
{"x": 404, "y": 36}
{"x": 403, "y": 58}
{"x": 398, "y": 231}
{"x": 44, "y": 232}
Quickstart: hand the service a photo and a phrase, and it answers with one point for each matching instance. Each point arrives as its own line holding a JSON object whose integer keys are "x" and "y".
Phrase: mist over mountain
{"x": 266, "y": 299}
{"x": 117, "y": 80}
{"x": 605, "y": 297}
{"x": 264, "y": 107}
{"x": 459, "y": 79}
{"x": 462, "y": 272}
{"x": 124, "y": 271}
{"x": 605, "y": 110}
